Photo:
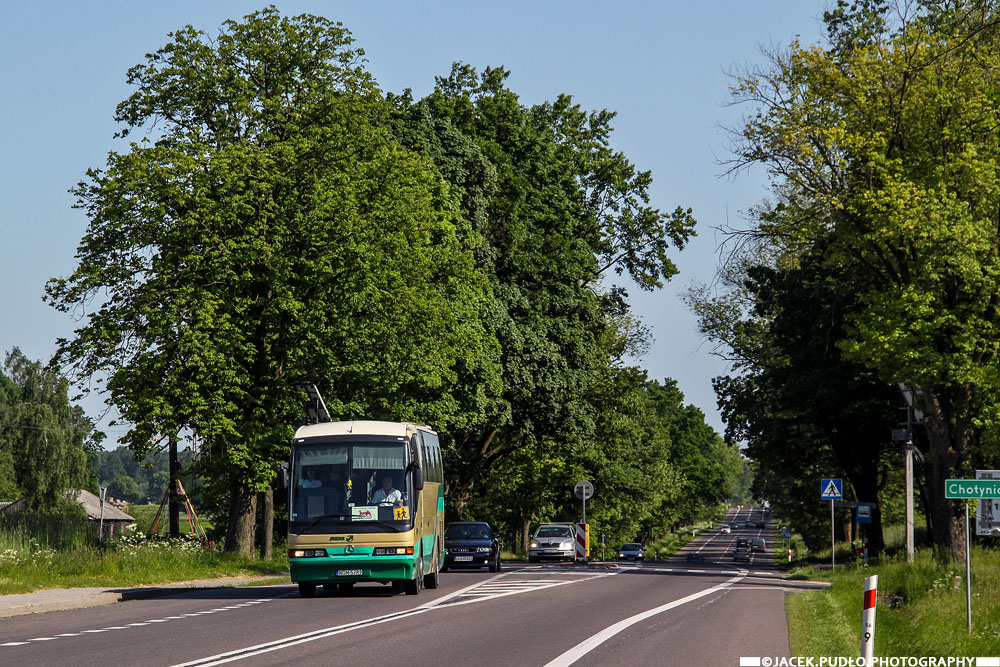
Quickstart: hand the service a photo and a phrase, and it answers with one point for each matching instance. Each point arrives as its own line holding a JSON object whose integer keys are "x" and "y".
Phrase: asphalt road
{"x": 682, "y": 612}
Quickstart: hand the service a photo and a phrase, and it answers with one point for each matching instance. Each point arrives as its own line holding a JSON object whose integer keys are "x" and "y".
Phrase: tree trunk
{"x": 267, "y": 536}
{"x": 242, "y": 519}
{"x": 876, "y": 538}
{"x": 948, "y": 438}
{"x": 460, "y": 494}
{"x": 525, "y": 533}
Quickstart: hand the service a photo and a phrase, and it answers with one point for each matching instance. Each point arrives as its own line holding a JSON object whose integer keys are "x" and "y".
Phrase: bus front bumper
{"x": 350, "y": 569}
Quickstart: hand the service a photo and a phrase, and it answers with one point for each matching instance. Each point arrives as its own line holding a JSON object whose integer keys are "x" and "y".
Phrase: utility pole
{"x": 172, "y": 508}
{"x": 905, "y": 435}
{"x": 908, "y": 455}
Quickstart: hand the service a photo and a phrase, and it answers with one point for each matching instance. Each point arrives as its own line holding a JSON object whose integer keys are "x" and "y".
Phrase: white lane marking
{"x": 588, "y": 645}
{"x": 278, "y": 644}
{"x": 452, "y": 599}
{"x": 152, "y": 620}
{"x": 460, "y": 591}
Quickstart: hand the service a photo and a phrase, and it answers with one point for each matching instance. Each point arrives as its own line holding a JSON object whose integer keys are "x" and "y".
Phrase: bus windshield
{"x": 349, "y": 484}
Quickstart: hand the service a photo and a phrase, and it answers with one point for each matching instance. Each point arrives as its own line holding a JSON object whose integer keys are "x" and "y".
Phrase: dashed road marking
{"x": 148, "y": 622}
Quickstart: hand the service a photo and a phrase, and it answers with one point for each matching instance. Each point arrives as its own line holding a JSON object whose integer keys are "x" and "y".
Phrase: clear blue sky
{"x": 661, "y": 65}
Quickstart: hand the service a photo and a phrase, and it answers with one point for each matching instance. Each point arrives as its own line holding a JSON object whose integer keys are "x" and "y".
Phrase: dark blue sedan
{"x": 471, "y": 544}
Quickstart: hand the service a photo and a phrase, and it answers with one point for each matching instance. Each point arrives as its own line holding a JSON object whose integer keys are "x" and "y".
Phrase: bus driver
{"x": 387, "y": 495}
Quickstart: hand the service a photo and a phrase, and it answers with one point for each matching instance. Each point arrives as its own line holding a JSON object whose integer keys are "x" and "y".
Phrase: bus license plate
{"x": 350, "y": 573}
{"x": 463, "y": 559}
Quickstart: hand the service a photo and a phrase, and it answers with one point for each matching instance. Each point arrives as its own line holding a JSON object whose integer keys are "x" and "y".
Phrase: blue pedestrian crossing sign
{"x": 831, "y": 489}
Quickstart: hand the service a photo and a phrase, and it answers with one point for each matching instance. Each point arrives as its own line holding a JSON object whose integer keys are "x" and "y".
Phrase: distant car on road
{"x": 632, "y": 551}
{"x": 696, "y": 557}
{"x": 734, "y": 525}
{"x": 471, "y": 544}
{"x": 742, "y": 542}
{"x": 552, "y": 541}
{"x": 726, "y": 529}
{"x": 757, "y": 544}
{"x": 741, "y": 553}
{"x": 748, "y": 524}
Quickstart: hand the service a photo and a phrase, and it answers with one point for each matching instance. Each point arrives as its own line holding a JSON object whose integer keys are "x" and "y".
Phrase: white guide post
{"x": 868, "y": 619}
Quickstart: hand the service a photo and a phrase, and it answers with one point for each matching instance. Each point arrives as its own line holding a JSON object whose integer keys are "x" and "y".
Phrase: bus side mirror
{"x": 418, "y": 479}
{"x": 283, "y": 476}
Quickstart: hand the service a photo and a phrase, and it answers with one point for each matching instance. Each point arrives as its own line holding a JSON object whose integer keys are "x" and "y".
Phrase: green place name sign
{"x": 972, "y": 488}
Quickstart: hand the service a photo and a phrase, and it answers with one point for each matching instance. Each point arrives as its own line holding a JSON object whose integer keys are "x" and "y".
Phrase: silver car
{"x": 552, "y": 541}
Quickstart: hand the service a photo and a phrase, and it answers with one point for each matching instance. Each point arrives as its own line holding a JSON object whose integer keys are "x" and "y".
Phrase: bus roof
{"x": 357, "y": 428}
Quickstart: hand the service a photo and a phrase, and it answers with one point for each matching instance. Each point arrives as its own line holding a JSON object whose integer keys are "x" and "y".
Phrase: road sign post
{"x": 100, "y": 530}
{"x": 965, "y": 489}
{"x": 832, "y": 489}
{"x": 583, "y": 490}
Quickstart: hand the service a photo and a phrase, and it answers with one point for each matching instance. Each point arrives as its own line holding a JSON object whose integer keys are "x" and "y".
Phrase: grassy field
{"x": 36, "y": 555}
{"x": 930, "y": 622}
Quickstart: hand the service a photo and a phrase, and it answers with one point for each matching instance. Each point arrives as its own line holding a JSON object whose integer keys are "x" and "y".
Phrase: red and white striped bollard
{"x": 868, "y": 620}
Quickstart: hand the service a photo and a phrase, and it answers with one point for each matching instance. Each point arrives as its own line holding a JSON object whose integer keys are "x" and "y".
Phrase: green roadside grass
{"x": 34, "y": 556}
{"x": 931, "y": 620}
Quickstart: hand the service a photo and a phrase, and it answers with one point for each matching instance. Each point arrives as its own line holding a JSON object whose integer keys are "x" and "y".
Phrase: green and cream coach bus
{"x": 366, "y": 504}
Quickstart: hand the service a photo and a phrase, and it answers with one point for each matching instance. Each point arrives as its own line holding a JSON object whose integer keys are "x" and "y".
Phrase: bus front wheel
{"x": 431, "y": 578}
{"x": 307, "y": 590}
{"x": 413, "y": 585}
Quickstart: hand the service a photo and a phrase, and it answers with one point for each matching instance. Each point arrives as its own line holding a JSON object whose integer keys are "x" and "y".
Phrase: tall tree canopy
{"x": 552, "y": 208}
{"x": 437, "y": 260}
{"x": 271, "y": 231}
{"x": 883, "y": 147}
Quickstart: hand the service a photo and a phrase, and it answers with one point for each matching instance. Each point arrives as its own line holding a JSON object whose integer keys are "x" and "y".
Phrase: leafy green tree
{"x": 47, "y": 442}
{"x": 550, "y": 209}
{"x": 882, "y": 149}
{"x": 125, "y": 488}
{"x": 270, "y": 231}
{"x": 110, "y": 465}
{"x": 804, "y": 411}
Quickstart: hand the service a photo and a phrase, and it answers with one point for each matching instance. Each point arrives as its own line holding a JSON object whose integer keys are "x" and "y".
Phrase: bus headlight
{"x": 306, "y": 553}
{"x": 393, "y": 551}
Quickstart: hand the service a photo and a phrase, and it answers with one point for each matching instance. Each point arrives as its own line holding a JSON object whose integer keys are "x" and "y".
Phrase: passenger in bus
{"x": 310, "y": 481}
{"x": 333, "y": 481}
{"x": 387, "y": 495}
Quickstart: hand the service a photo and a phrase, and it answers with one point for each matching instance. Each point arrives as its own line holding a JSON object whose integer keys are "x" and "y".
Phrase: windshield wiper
{"x": 323, "y": 516}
